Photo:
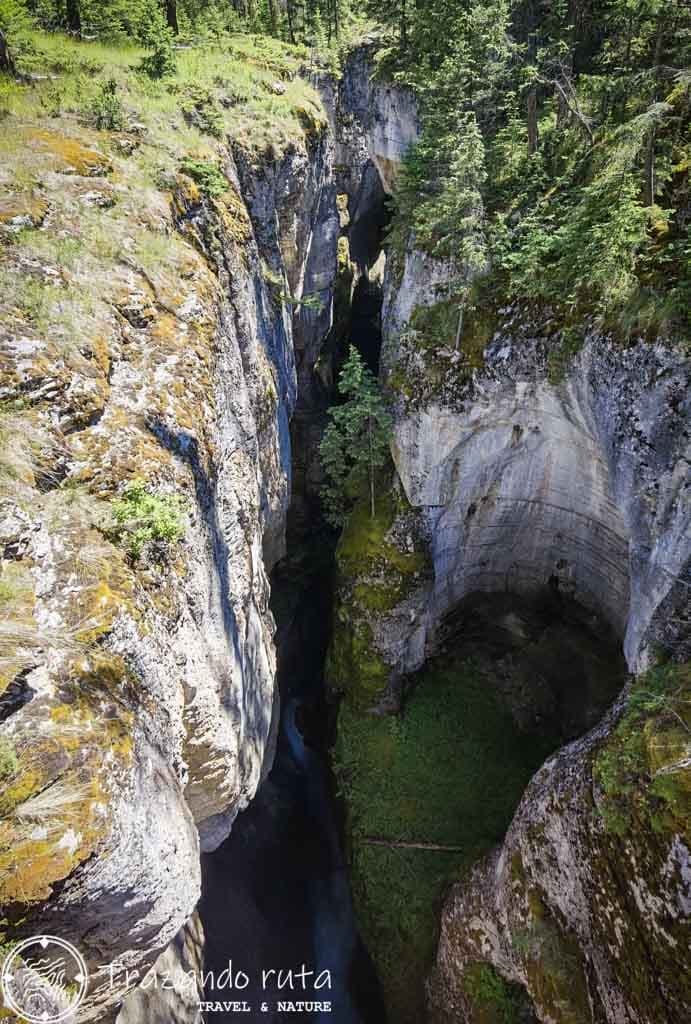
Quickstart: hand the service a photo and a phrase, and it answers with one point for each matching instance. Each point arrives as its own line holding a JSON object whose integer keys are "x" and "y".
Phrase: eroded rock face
{"x": 141, "y": 692}
{"x": 522, "y": 480}
{"x": 587, "y": 911}
{"x": 372, "y": 120}
{"x": 520, "y": 468}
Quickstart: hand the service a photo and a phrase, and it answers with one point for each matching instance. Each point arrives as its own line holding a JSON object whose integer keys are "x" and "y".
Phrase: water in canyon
{"x": 276, "y": 895}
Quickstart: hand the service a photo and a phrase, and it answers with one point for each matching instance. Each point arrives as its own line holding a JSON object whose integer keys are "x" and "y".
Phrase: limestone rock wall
{"x": 139, "y": 703}
{"x": 588, "y": 912}
{"x": 525, "y": 473}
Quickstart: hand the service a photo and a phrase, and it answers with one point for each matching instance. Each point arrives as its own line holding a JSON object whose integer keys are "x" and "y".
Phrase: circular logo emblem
{"x": 44, "y": 979}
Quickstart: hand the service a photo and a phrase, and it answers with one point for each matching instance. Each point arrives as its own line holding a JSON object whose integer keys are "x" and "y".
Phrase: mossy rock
{"x": 639, "y": 771}
{"x": 73, "y": 156}
{"x": 492, "y": 999}
{"x": 375, "y": 574}
{"x": 553, "y": 962}
{"x": 354, "y": 667}
{"x": 22, "y": 210}
{"x": 52, "y": 808}
{"x": 364, "y": 544}
{"x": 431, "y": 360}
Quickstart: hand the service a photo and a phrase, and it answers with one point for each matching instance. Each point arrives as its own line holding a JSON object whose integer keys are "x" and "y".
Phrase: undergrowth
{"x": 642, "y": 770}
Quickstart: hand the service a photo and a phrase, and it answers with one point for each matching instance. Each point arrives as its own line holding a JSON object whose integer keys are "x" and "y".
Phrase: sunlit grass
{"x": 253, "y": 80}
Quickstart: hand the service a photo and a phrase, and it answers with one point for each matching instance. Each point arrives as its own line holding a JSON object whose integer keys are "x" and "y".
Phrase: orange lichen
{"x": 74, "y": 157}
{"x": 23, "y": 208}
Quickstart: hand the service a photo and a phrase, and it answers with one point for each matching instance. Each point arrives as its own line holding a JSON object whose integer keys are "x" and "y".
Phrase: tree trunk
{"x": 650, "y": 150}
{"x": 650, "y": 169}
{"x": 74, "y": 16}
{"x": 371, "y": 470}
{"x": 289, "y": 13}
{"x": 400, "y": 844}
{"x": 531, "y": 102}
{"x": 172, "y": 15}
{"x": 459, "y": 331}
{"x": 6, "y": 62}
{"x": 533, "y": 137}
{"x": 272, "y": 17}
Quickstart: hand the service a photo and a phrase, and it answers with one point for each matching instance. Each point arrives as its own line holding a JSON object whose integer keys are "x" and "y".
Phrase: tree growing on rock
{"x": 356, "y": 442}
{"x": 14, "y": 21}
{"x": 6, "y": 61}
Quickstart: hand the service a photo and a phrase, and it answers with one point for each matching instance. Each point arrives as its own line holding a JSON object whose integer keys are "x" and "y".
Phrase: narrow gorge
{"x": 440, "y": 754}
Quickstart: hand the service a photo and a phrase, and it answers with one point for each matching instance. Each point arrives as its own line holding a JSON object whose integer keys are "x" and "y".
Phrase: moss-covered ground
{"x": 494, "y": 1000}
{"x": 449, "y": 772}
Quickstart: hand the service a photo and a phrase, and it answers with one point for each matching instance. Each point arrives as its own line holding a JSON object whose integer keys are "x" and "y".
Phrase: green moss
{"x": 554, "y": 966}
{"x": 353, "y": 666}
{"x": 639, "y": 770}
{"x": 437, "y": 327}
{"x": 363, "y": 544}
{"x": 375, "y": 575}
{"x": 494, "y": 1000}
{"x": 207, "y": 174}
{"x": 449, "y": 358}
{"x": 449, "y": 772}
{"x": 8, "y": 760}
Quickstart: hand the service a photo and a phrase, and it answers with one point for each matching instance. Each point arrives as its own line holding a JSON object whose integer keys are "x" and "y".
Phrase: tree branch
{"x": 399, "y": 844}
{"x": 572, "y": 105}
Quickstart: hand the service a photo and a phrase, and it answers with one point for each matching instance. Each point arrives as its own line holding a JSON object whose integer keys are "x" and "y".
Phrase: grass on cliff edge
{"x": 247, "y": 87}
{"x": 451, "y": 772}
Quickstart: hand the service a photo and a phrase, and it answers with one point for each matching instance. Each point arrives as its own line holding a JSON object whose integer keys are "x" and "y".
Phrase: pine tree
{"x": 356, "y": 442}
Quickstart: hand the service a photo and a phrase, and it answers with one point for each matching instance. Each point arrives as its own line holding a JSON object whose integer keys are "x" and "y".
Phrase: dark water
{"x": 276, "y": 894}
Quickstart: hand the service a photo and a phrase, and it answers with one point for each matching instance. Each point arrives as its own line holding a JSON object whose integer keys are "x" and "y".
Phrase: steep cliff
{"x": 541, "y": 462}
{"x": 148, "y": 379}
{"x": 166, "y": 297}
{"x": 585, "y": 906}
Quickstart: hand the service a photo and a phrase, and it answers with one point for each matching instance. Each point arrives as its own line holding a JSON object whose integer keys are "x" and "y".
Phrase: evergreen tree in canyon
{"x": 355, "y": 444}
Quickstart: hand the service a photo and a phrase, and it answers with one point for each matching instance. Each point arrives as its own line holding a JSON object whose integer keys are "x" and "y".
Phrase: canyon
{"x": 537, "y": 501}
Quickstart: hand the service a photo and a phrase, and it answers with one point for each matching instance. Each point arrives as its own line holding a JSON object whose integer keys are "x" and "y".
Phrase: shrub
{"x": 142, "y": 516}
{"x": 8, "y": 760}
{"x": 492, "y": 996}
{"x": 632, "y": 784}
{"x": 208, "y": 175}
{"x": 161, "y": 62}
{"x": 105, "y": 111}
{"x": 202, "y": 111}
